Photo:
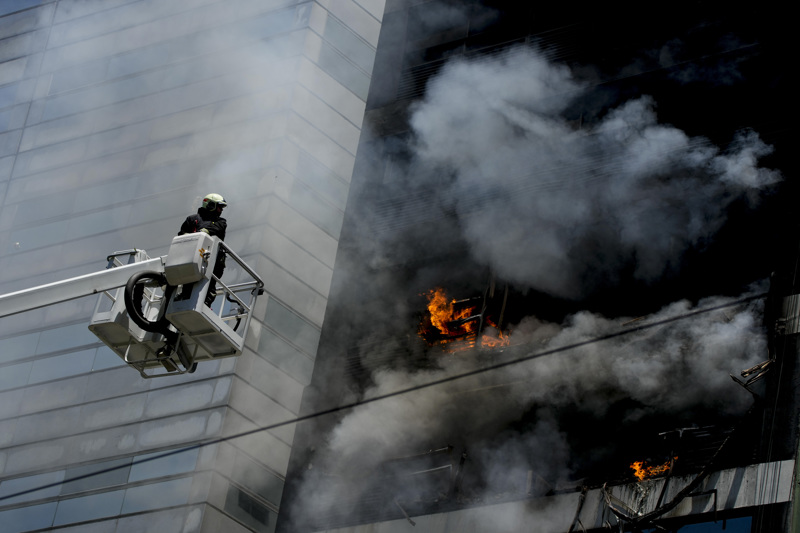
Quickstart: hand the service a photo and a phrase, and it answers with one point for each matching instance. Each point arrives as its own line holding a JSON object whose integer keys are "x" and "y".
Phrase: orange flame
{"x": 488, "y": 341}
{"x": 641, "y": 471}
{"x": 442, "y": 312}
{"x": 444, "y": 315}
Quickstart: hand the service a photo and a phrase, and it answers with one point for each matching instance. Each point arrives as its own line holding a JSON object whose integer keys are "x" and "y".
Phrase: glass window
{"x": 65, "y": 365}
{"x": 15, "y": 375}
{"x": 5, "y": 119}
{"x": 28, "y": 518}
{"x": 292, "y": 327}
{"x": 258, "y": 479}
{"x": 19, "y": 347}
{"x": 287, "y": 358}
{"x": 178, "y": 463}
{"x": 161, "y": 207}
{"x": 66, "y": 337}
{"x": 92, "y": 507}
{"x": 157, "y": 495}
{"x": 97, "y": 475}
{"x": 9, "y": 142}
{"x": 42, "y": 208}
{"x": 79, "y": 76}
{"x": 13, "y": 70}
{"x": 38, "y": 236}
{"x": 10, "y": 403}
{"x": 13, "y": 486}
{"x": 138, "y": 60}
{"x": 6, "y": 165}
{"x": 248, "y": 510}
{"x": 10, "y": 6}
{"x": 91, "y": 98}
{"x": 107, "y": 220}
{"x": 70, "y": 103}
{"x": 8, "y": 95}
{"x": 105, "y": 194}
{"x": 23, "y": 45}
{"x": 105, "y": 358}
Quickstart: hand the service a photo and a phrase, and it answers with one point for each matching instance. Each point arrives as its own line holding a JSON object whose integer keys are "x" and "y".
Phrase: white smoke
{"x": 675, "y": 367}
{"x": 669, "y": 368}
{"x": 550, "y": 206}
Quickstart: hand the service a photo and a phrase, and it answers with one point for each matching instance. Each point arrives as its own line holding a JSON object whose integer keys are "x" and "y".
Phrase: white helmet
{"x": 212, "y": 201}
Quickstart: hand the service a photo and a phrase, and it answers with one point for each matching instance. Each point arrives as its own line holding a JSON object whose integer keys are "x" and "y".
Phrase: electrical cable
{"x": 400, "y": 392}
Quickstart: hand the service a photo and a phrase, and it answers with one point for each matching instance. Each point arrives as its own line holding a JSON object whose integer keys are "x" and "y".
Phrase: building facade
{"x": 491, "y": 169}
{"x": 311, "y": 118}
{"x": 116, "y": 117}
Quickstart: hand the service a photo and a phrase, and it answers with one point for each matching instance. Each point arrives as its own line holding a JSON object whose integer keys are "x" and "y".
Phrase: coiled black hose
{"x": 134, "y": 293}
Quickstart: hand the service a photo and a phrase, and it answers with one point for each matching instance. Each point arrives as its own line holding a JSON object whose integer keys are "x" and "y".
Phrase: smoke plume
{"x": 559, "y": 206}
{"x": 680, "y": 369}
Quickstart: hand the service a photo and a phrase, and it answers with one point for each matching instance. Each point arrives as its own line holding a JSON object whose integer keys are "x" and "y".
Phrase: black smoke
{"x": 581, "y": 196}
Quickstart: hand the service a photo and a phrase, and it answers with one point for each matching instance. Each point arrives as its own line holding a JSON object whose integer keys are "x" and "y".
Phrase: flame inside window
{"x": 451, "y": 322}
{"x": 642, "y": 471}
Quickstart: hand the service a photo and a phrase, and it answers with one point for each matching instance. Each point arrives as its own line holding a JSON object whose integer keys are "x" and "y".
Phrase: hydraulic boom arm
{"x": 157, "y": 314}
{"x": 70, "y": 289}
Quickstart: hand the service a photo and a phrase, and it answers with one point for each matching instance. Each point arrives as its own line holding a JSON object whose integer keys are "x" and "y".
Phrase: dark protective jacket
{"x": 213, "y": 224}
{"x": 206, "y": 221}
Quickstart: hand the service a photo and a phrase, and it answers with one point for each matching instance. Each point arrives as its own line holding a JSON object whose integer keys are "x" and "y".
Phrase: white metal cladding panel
{"x": 335, "y": 94}
{"x": 262, "y": 410}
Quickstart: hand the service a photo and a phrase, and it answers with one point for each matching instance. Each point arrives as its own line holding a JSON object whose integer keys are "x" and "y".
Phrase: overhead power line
{"x": 400, "y": 392}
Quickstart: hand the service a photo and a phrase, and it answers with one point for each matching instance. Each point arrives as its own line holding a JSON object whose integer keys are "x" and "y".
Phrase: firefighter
{"x": 209, "y": 220}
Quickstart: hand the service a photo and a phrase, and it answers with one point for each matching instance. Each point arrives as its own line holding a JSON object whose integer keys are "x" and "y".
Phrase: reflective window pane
{"x": 8, "y": 95}
{"x": 11, "y": 6}
{"x": 157, "y": 495}
{"x": 5, "y": 118}
{"x": 18, "y": 347}
{"x": 105, "y": 358}
{"x": 38, "y": 236}
{"x": 14, "y": 486}
{"x": 166, "y": 466}
{"x": 64, "y": 365}
{"x": 14, "y": 375}
{"x": 56, "y": 339}
{"x": 43, "y": 208}
{"x": 28, "y": 518}
{"x": 97, "y": 475}
{"x": 101, "y": 505}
